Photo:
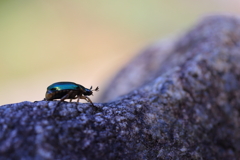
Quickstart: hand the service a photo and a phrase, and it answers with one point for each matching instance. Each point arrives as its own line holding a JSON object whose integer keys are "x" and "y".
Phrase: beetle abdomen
{"x": 59, "y": 94}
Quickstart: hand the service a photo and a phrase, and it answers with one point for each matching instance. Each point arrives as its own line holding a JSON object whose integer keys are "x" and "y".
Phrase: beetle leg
{"x": 66, "y": 96}
{"x": 62, "y": 99}
{"x": 86, "y": 98}
{"x": 78, "y": 98}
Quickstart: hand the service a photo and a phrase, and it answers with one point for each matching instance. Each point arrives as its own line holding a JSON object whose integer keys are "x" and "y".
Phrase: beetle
{"x": 68, "y": 90}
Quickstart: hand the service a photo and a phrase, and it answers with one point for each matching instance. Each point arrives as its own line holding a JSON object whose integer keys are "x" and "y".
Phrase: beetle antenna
{"x": 97, "y": 89}
{"x": 91, "y": 88}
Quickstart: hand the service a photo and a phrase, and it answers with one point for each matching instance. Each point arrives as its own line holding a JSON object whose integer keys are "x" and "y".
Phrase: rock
{"x": 185, "y": 107}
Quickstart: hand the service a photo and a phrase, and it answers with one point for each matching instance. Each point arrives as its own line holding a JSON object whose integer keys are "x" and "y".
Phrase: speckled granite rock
{"x": 188, "y": 109}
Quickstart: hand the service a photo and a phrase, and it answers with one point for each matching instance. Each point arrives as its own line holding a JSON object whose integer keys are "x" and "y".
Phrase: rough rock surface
{"x": 189, "y": 110}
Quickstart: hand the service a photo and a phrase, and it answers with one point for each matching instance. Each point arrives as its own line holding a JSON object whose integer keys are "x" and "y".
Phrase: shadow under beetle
{"x": 68, "y": 90}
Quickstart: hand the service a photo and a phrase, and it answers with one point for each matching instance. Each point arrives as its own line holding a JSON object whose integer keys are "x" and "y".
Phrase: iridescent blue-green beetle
{"x": 68, "y": 90}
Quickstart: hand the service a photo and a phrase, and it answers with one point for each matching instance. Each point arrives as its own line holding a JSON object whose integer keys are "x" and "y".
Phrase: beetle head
{"x": 89, "y": 92}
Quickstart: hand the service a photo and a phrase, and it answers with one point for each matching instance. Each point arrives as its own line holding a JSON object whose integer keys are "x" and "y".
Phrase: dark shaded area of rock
{"x": 189, "y": 109}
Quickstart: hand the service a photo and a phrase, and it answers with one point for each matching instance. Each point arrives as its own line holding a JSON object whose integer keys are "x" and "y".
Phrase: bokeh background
{"x": 45, "y": 41}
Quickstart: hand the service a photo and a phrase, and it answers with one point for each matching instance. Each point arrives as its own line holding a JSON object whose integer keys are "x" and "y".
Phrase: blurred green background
{"x": 45, "y": 41}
